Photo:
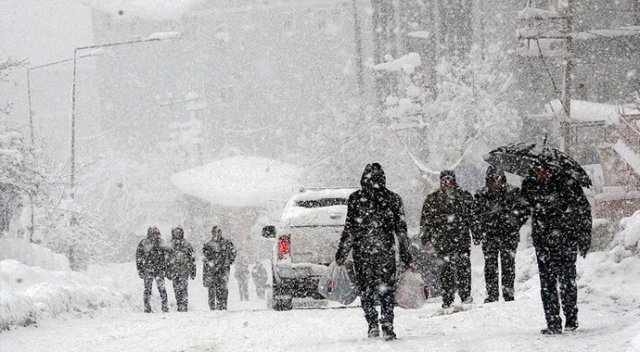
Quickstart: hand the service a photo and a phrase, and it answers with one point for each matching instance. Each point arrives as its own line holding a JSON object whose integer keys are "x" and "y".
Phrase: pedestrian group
{"x": 451, "y": 219}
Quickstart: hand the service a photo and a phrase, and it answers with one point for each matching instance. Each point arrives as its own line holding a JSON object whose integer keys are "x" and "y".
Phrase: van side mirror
{"x": 269, "y": 231}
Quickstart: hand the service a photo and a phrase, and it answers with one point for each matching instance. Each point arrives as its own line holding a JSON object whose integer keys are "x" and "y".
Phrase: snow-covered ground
{"x": 608, "y": 303}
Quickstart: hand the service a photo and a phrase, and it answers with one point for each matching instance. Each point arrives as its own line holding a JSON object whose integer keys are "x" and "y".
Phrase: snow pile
{"x": 32, "y": 254}
{"x": 28, "y": 293}
{"x": 629, "y": 237}
{"x": 240, "y": 181}
{"x": 407, "y": 63}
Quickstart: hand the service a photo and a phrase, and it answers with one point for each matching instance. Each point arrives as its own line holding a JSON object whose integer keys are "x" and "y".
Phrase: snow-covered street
{"x": 608, "y": 303}
{"x": 496, "y": 327}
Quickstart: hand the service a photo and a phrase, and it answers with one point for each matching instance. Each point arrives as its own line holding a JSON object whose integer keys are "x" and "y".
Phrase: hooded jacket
{"x": 151, "y": 257}
{"x": 499, "y": 213}
{"x": 446, "y": 220}
{"x": 375, "y": 218}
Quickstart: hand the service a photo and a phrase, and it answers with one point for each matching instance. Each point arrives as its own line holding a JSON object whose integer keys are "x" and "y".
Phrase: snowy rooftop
{"x": 587, "y": 111}
{"x": 240, "y": 181}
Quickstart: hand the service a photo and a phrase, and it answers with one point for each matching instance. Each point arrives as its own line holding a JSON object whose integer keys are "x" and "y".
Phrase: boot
{"x": 551, "y": 331}
{"x": 571, "y": 325}
{"x": 374, "y": 330}
{"x": 387, "y": 331}
{"x": 147, "y": 308}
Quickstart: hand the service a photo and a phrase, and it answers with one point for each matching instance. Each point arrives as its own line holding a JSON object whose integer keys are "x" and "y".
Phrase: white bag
{"x": 410, "y": 290}
{"x": 337, "y": 285}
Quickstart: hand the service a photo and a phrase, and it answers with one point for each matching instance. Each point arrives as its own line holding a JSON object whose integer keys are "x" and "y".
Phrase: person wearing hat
{"x": 150, "y": 262}
{"x": 219, "y": 254}
{"x": 181, "y": 266}
{"x": 499, "y": 212}
{"x": 445, "y": 227}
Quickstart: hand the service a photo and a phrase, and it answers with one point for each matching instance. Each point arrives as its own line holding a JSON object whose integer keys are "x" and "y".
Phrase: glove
{"x": 583, "y": 252}
{"x": 340, "y": 262}
{"x": 140, "y": 274}
{"x": 477, "y": 242}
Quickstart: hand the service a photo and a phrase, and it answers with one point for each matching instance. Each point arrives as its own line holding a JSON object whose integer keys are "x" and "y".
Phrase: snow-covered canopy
{"x": 587, "y": 111}
{"x": 146, "y": 9}
{"x": 240, "y": 181}
{"x": 407, "y": 63}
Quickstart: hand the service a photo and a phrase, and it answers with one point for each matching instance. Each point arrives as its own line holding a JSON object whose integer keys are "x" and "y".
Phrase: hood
{"x": 373, "y": 177}
{"x": 492, "y": 172}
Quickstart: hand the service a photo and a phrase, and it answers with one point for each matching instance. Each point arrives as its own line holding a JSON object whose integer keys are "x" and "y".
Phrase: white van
{"x": 306, "y": 242}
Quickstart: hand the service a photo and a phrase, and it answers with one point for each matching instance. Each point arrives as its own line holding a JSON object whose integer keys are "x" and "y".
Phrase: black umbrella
{"x": 520, "y": 158}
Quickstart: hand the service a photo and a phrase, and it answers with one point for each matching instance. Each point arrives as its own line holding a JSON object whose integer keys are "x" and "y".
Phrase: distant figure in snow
{"x": 181, "y": 266}
{"x": 561, "y": 228}
{"x": 259, "y": 276}
{"x": 150, "y": 262}
{"x": 219, "y": 254}
{"x": 242, "y": 276}
{"x": 375, "y": 219}
{"x": 499, "y": 212}
{"x": 445, "y": 226}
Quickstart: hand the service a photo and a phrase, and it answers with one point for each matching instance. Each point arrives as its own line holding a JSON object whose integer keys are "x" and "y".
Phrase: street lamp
{"x": 32, "y": 68}
{"x": 155, "y": 37}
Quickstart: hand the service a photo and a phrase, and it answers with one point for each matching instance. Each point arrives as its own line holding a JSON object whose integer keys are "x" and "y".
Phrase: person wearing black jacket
{"x": 181, "y": 266}
{"x": 561, "y": 228}
{"x": 375, "y": 218}
{"x": 499, "y": 212}
{"x": 151, "y": 262}
{"x": 445, "y": 226}
{"x": 219, "y": 254}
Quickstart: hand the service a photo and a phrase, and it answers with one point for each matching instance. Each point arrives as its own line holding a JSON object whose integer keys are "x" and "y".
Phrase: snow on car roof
{"x": 313, "y": 194}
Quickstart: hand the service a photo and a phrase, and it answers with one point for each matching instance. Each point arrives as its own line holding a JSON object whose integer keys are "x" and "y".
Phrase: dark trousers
{"x": 558, "y": 267}
{"x": 218, "y": 293}
{"x": 181, "y": 289}
{"x": 507, "y": 261}
{"x": 148, "y": 285}
{"x": 385, "y": 291}
{"x": 243, "y": 286}
{"x": 455, "y": 275}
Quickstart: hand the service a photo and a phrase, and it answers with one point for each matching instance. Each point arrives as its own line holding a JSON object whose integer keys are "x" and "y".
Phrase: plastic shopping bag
{"x": 337, "y": 285}
{"x": 410, "y": 291}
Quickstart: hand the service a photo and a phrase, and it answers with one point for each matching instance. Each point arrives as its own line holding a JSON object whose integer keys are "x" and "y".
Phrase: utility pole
{"x": 568, "y": 60}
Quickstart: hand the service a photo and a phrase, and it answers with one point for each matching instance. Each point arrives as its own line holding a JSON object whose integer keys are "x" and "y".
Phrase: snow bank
{"x": 32, "y": 254}
{"x": 407, "y": 63}
{"x": 240, "y": 181}
{"x": 29, "y": 293}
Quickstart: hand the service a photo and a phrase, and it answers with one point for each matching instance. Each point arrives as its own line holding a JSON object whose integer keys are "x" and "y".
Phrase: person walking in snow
{"x": 219, "y": 254}
{"x": 445, "y": 226}
{"x": 259, "y": 276}
{"x": 561, "y": 228}
{"x": 242, "y": 277}
{"x": 150, "y": 262}
{"x": 499, "y": 212}
{"x": 375, "y": 218}
{"x": 181, "y": 266}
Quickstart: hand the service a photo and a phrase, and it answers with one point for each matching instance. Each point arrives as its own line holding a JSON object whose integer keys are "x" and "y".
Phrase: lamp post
{"x": 32, "y": 68}
{"x": 152, "y": 38}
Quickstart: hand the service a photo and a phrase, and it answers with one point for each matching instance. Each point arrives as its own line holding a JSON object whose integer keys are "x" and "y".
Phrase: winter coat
{"x": 242, "y": 270}
{"x": 561, "y": 214}
{"x": 150, "y": 258}
{"x": 181, "y": 261}
{"x": 259, "y": 275}
{"x": 218, "y": 257}
{"x": 499, "y": 215}
{"x": 447, "y": 217}
{"x": 375, "y": 217}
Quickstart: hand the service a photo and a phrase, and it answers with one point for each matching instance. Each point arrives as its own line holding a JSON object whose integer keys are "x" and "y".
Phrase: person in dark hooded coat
{"x": 181, "y": 266}
{"x": 499, "y": 212}
{"x": 561, "y": 228}
{"x": 375, "y": 218}
{"x": 445, "y": 225}
{"x": 151, "y": 265}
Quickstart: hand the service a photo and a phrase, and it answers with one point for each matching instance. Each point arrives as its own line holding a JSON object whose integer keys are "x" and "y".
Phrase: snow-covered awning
{"x": 587, "y": 111}
{"x": 240, "y": 181}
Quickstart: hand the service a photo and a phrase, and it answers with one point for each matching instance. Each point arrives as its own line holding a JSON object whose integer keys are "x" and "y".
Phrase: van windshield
{"x": 322, "y": 202}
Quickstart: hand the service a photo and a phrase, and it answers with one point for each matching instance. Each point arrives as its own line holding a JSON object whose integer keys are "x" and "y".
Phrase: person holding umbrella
{"x": 561, "y": 222}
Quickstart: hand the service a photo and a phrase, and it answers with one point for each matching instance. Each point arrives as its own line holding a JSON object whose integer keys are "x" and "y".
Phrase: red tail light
{"x": 284, "y": 246}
